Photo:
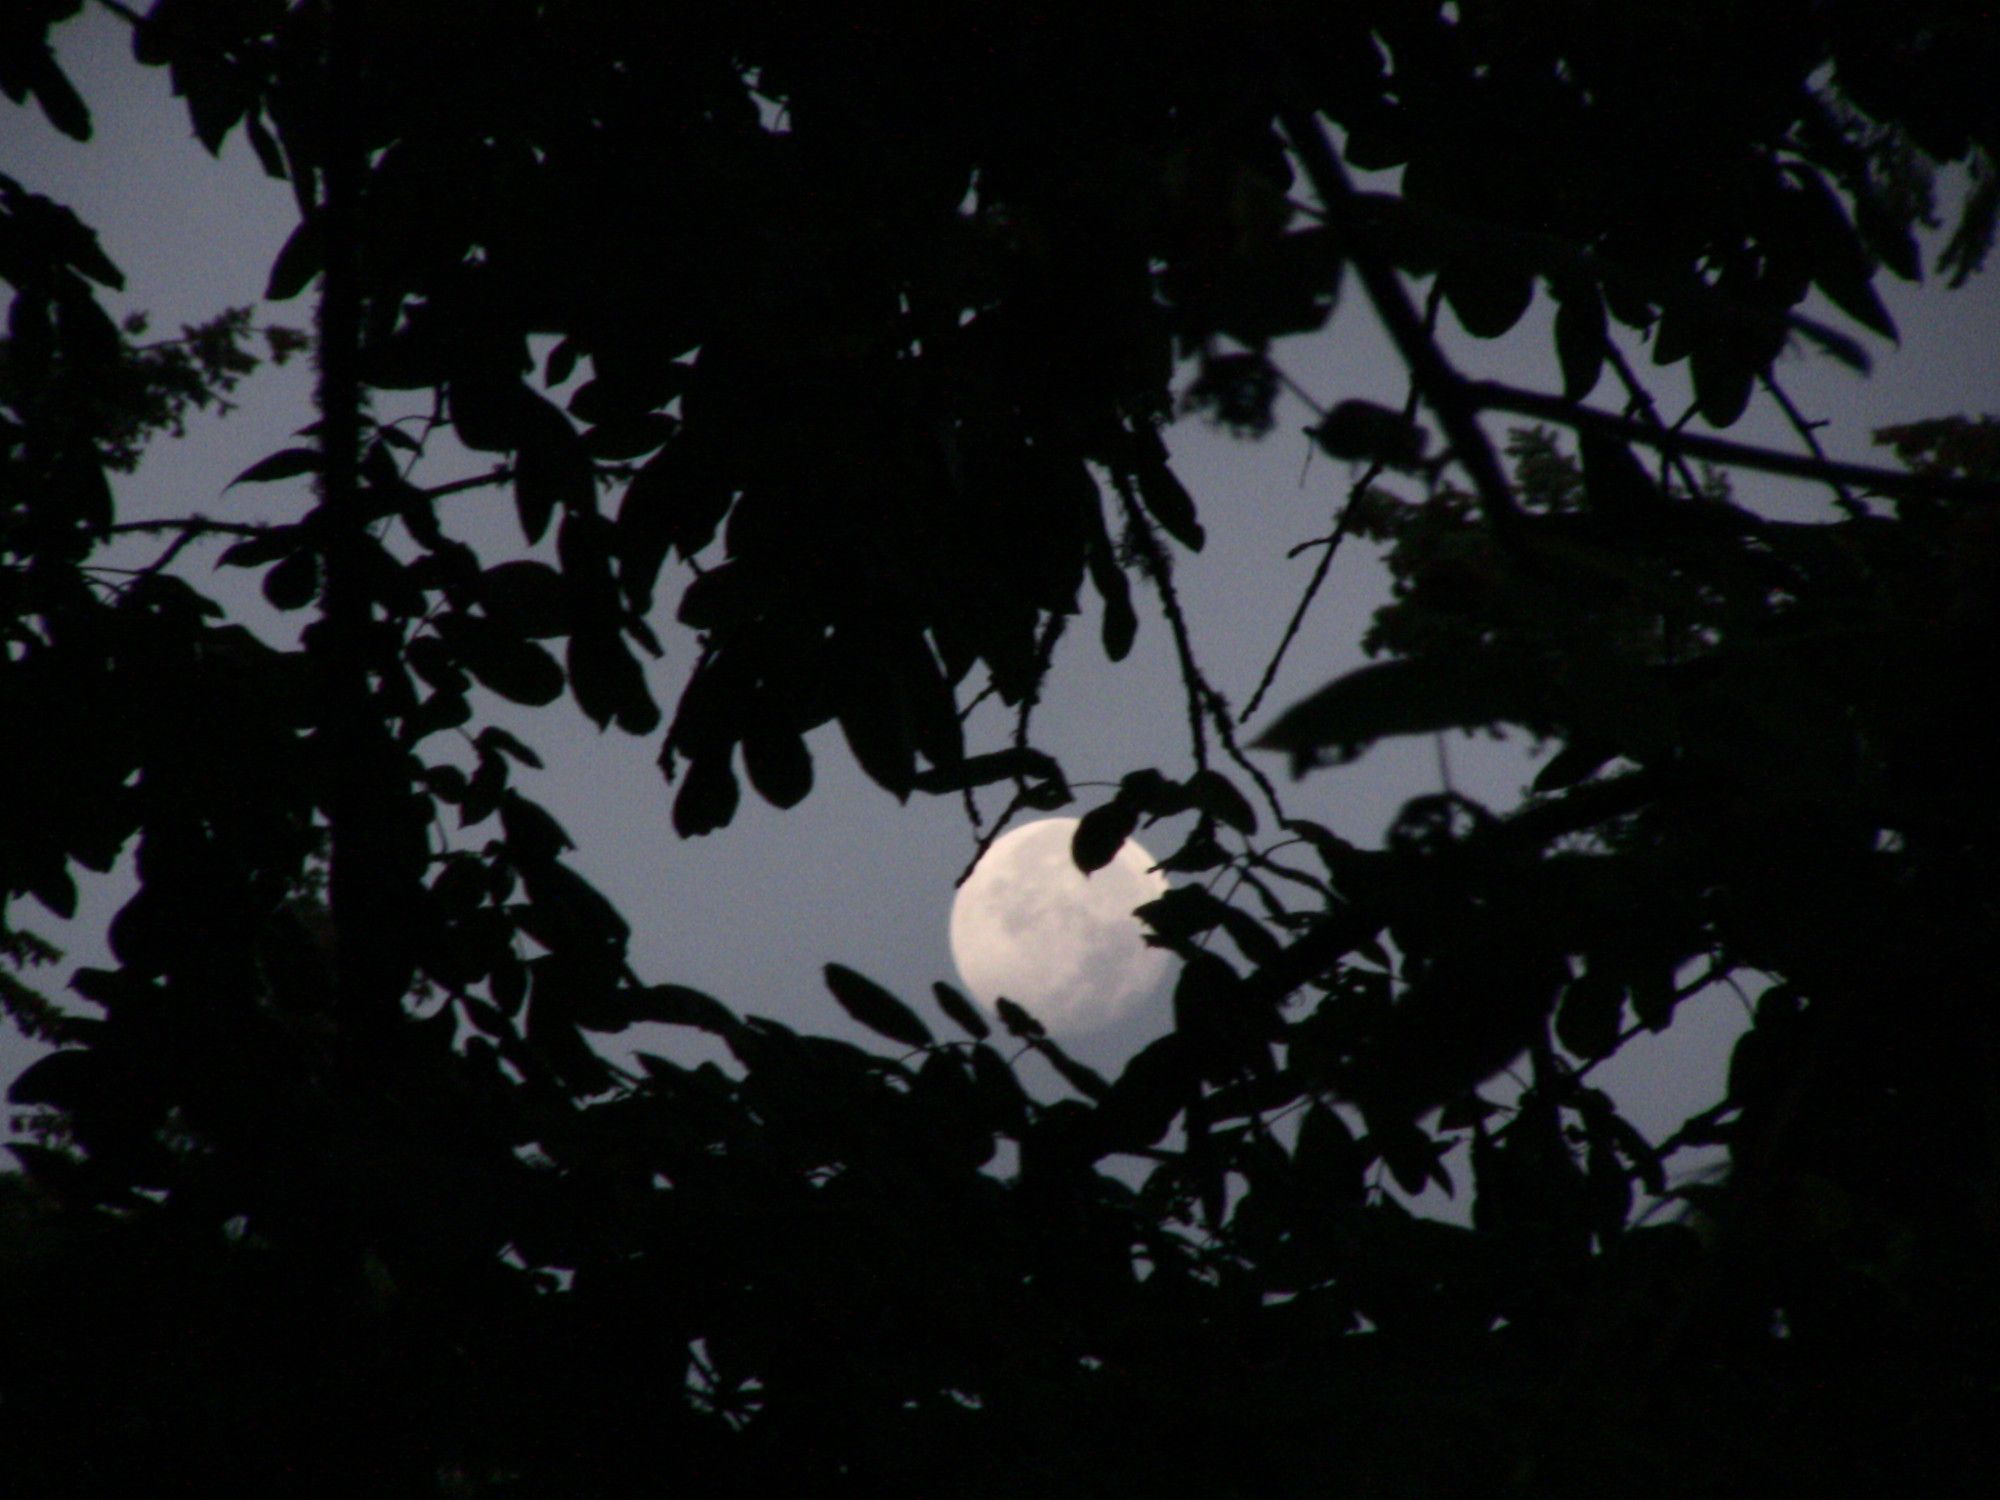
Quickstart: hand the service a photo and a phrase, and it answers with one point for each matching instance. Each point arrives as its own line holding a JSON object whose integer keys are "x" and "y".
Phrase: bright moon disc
{"x": 1063, "y": 945}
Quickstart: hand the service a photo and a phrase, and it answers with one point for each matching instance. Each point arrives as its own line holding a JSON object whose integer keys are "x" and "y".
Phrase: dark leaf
{"x": 552, "y": 469}
{"x": 297, "y": 263}
{"x": 779, "y": 764}
{"x": 294, "y": 582}
{"x": 528, "y": 598}
{"x": 1003, "y": 1093}
{"x": 1169, "y": 502}
{"x": 1573, "y": 763}
{"x": 38, "y": 69}
{"x": 533, "y": 836}
{"x": 1017, "y": 1021}
{"x": 1488, "y": 293}
{"x": 875, "y": 1008}
{"x": 1580, "y": 338}
{"x": 962, "y": 1012}
{"x": 1723, "y": 379}
{"x": 707, "y": 798}
{"x": 1101, "y": 833}
{"x": 1330, "y": 1160}
{"x": 506, "y": 744}
{"x": 282, "y": 465}
{"x": 677, "y": 1005}
{"x": 255, "y": 551}
{"x": 1416, "y": 696}
{"x": 1154, "y": 1087}
{"x": 1590, "y": 1015}
{"x": 1017, "y": 762}
{"x": 561, "y": 363}
{"x": 1085, "y": 1080}
{"x": 519, "y": 671}
{"x": 68, "y": 1079}
{"x": 1217, "y": 796}
{"x": 874, "y": 719}
{"x": 269, "y": 156}
{"x": 1363, "y": 432}
{"x": 607, "y": 682}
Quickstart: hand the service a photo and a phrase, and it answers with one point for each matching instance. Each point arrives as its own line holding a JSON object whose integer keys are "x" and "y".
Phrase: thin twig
{"x": 1638, "y": 395}
{"x": 1843, "y": 497}
{"x": 1159, "y": 570}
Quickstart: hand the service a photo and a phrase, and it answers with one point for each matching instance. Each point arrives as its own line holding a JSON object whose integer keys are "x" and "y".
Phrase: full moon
{"x": 1064, "y": 946}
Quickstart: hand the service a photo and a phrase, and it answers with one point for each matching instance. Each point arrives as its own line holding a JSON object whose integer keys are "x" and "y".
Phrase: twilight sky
{"x": 752, "y": 912}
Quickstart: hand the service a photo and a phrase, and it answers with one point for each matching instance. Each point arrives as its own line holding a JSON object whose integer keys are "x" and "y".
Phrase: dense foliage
{"x": 327, "y": 1188}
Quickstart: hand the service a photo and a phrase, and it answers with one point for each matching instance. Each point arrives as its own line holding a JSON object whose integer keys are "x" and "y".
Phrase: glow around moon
{"x": 1029, "y": 925}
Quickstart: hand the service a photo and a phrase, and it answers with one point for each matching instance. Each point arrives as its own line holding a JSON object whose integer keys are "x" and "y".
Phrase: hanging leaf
{"x": 1101, "y": 833}
{"x": 707, "y": 798}
{"x": 779, "y": 764}
{"x": 875, "y": 1008}
{"x": 1589, "y": 1016}
{"x": 1488, "y": 293}
{"x": 1581, "y": 337}
{"x": 1217, "y": 796}
{"x": 875, "y": 721}
{"x": 297, "y": 264}
{"x": 1168, "y": 501}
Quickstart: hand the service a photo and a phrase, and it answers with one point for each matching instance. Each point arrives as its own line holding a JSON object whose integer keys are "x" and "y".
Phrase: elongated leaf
{"x": 1417, "y": 696}
{"x": 1018, "y": 1021}
{"x": 297, "y": 263}
{"x": 1170, "y": 504}
{"x": 1363, "y": 432}
{"x": 285, "y": 464}
{"x": 1021, "y": 761}
{"x": 1580, "y": 339}
{"x": 1084, "y": 1079}
{"x": 678, "y": 1005}
{"x": 875, "y": 1008}
{"x": 963, "y": 1013}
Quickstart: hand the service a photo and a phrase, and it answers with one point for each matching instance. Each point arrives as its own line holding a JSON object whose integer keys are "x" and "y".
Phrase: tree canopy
{"x": 328, "y": 1184}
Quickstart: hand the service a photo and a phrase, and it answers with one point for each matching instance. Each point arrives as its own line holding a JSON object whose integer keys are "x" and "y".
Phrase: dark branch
{"x": 1444, "y": 389}
{"x": 1493, "y": 396}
